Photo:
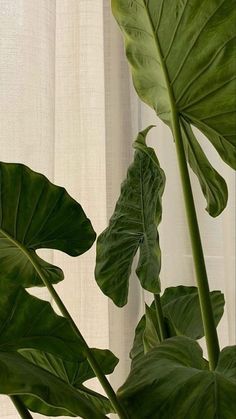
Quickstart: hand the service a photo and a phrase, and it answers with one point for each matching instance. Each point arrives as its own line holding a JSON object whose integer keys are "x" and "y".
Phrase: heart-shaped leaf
{"x": 160, "y": 380}
{"x": 36, "y": 214}
{"x": 182, "y": 315}
{"x": 133, "y": 226}
{"x": 182, "y": 58}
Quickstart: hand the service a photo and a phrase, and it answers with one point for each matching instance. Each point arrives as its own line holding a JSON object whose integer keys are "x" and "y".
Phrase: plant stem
{"x": 198, "y": 256}
{"x": 160, "y": 317}
{"x": 20, "y": 407}
{"x": 87, "y": 351}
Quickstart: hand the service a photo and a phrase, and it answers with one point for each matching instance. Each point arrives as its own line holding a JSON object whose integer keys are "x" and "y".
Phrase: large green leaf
{"x": 30, "y": 326}
{"x": 20, "y": 377}
{"x": 182, "y": 58}
{"x": 77, "y": 372}
{"x": 28, "y": 322}
{"x": 182, "y": 315}
{"x": 160, "y": 380}
{"x": 36, "y": 214}
{"x": 133, "y": 226}
{"x": 73, "y": 373}
{"x": 182, "y": 311}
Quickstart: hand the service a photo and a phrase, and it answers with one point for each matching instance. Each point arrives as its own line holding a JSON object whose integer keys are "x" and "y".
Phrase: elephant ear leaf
{"x": 36, "y": 214}
{"x": 181, "y": 309}
{"x": 133, "y": 226}
{"x": 180, "y": 69}
{"x": 182, "y": 316}
{"x": 173, "y": 369}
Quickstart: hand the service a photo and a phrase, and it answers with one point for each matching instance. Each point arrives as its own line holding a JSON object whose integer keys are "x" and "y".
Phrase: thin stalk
{"x": 20, "y": 407}
{"x": 87, "y": 351}
{"x": 160, "y": 317}
{"x": 198, "y": 255}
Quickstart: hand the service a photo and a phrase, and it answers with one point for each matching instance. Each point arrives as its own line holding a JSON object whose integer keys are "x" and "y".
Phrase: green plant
{"x": 182, "y": 61}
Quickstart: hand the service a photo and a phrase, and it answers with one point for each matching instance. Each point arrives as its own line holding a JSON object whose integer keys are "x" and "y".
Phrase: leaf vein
{"x": 175, "y": 31}
{"x": 203, "y": 70}
{"x": 211, "y": 92}
{"x": 194, "y": 42}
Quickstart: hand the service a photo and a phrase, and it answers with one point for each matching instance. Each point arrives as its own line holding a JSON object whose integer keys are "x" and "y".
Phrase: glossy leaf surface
{"x": 160, "y": 380}
{"x": 36, "y": 214}
{"x": 182, "y": 316}
{"x": 133, "y": 227}
{"x": 182, "y": 59}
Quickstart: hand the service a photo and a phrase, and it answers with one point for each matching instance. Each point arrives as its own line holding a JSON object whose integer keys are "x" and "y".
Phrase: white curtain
{"x": 68, "y": 110}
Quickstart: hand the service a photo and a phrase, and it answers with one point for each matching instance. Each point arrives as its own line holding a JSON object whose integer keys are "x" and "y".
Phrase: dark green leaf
{"x": 28, "y": 322}
{"x": 182, "y": 310}
{"x": 160, "y": 381}
{"x": 150, "y": 333}
{"x": 36, "y": 214}
{"x": 227, "y": 363}
{"x": 138, "y": 347}
{"x": 182, "y": 314}
{"x": 18, "y": 376}
{"x": 177, "y": 64}
{"x": 133, "y": 226}
{"x": 74, "y": 373}
{"x": 30, "y": 326}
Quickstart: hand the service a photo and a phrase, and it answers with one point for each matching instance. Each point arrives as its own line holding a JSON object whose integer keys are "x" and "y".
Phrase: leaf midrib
{"x": 173, "y": 108}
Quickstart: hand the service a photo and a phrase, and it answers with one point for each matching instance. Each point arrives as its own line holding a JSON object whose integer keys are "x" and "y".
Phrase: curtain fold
{"x": 68, "y": 110}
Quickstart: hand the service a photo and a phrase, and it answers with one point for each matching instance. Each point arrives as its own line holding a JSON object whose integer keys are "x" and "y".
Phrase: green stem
{"x": 198, "y": 256}
{"x": 160, "y": 317}
{"x": 20, "y": 407}
{"x": 87, "y": 351}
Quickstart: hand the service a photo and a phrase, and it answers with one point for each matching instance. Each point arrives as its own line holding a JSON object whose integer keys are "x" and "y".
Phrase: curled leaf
{"x": 133, "y": 227}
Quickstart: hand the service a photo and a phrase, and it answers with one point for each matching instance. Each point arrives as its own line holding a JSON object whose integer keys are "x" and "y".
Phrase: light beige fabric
{"x": 68, "y": 110}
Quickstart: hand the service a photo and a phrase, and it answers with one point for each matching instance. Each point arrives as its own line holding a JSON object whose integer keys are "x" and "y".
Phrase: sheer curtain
{"x": 68, "y": 110}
